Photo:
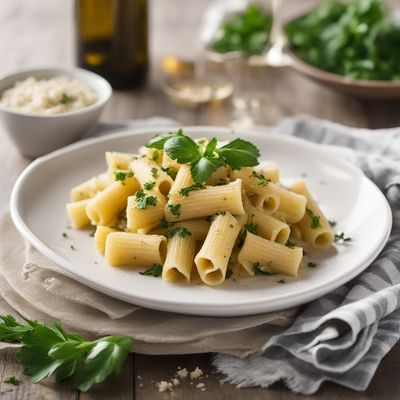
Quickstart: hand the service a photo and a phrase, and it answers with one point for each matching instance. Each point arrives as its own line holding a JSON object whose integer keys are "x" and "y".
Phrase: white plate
{"x": 344, "y": 193}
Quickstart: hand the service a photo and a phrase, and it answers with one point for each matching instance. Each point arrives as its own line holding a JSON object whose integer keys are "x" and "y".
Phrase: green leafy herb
{"x": 64, "y": 234}
{"x": 164, "y": 223}
{"x": 186, "y": 190}
{"x": 154, "y": 172}
{"x": 311, "y": 265}
{"x": 155, "y": 270}
{"x": 12, "y": 380}
{"x": 357, "y": 38}
{"x": 65, "y": 99}
{"x": 155, "y": 155}
{"x": 178, "y": 230}
{"x": 170, "y": 171}
{"x": 92, "y": 232}
{"x": 120, "y": 176}
{"x": 237, "y": 153}
{"x": 49, "y": 349}
{"x": 332, "y": 223}
{"x": 314, "y": 219}
{"x": 72, "y": 247}
{"x": 149, "y": 185}
{"x": 228, "y": 273}
{"x": 158, "y": 141}
{"x": 258, "y": 269}
{"x": 247, "y": 32}
{"x": 340, "y": 237}
{"x": 263, "y": 180}
{"x": 143, "y": 200}
{"x": 174, "y": 209}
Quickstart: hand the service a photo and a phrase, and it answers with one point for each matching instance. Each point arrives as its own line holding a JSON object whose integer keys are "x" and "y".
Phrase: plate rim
{"x": 247, "y": 307}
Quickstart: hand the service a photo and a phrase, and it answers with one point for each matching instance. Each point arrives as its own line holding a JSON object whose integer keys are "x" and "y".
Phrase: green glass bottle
{"x": 112, "y": 40}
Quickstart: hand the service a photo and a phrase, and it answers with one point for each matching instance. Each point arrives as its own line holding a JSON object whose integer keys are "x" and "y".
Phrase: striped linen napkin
{"x": 343, "y": 336}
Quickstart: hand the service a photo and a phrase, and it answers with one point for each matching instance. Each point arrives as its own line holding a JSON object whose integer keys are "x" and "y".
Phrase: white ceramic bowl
{"x": 35, "y": 134}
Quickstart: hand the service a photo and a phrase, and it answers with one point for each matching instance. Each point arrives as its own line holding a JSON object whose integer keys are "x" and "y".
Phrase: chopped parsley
{"x": 332, "y": 223}
{"x": 169, "y": 171}
{"x": 174, "y": 210}
{"x": 64, "y": 235}
{"x": 65, "y": 99}
{"x": 155, "y": 155}
{"x": 149, "y": 185}
{"x": 263, "y": 180}
{"x": 92, "y": 232}
{"x": 290, "y": 244}
{"x": 228, "y": 273}
{"x": 340, "y": 237}
{"x": 154, "y": 172}
{"x": 311, "y": 265}
{"x": 155, "y": 270}
{"x": 177, "y": 230}
{"x": 258, "y": 270}
{"x": 314, "y": 219}
{"x": 186, "y": 190}
{"x": 281, "y": 281}
{"x": 72, "y": 247}
{"x": 120, "y": 176}
{"x": 164, "y": 223}
{"x": 144, "y": 200}
{"x": 12, "y": 380}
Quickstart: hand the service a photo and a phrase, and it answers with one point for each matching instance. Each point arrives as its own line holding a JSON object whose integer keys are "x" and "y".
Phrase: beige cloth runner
{"x": 39, "y": 289}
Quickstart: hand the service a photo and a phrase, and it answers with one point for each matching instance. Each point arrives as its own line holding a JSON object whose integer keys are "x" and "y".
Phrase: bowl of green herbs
{"x": 351, "y": 46}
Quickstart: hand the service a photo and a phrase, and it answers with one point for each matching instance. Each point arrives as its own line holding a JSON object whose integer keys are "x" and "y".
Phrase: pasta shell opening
{"x": 214, "y": 277}
{"x": 270, "y": 204}
{"x": 164, "y": 187}
{"x": 174, "y": 275}
{"x": 163, "y": 249}
{"x": 324, "y": 239}
{"x": 283, "y": 235}
{"x": 205, "y": 264}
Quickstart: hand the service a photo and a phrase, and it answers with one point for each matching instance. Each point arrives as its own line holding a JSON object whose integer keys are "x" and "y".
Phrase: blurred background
{"x": 43, "y": 33}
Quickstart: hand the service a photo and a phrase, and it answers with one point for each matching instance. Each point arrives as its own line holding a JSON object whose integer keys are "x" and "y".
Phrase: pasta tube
{"x": 271, "y": 255}
{"x": 132, "y": 249}
{"x": 90, "y": 188}
{"x": 77, "y": 214}
{"x": 100, "y": 237}
{"x": 314, "y": 226}
{"x": 213, "y": 257}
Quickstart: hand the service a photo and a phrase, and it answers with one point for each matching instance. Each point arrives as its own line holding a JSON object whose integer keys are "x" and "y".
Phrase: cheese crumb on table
{"x": 200, "y": 385}
{"x": 175, "y": 381}
{"x": 196, "y": 374}
{"x": 163, "y": 386}
{"x": 182, "y": 373}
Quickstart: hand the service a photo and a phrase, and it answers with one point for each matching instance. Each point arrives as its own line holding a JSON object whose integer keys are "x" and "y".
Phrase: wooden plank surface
{"x": 24, "y": 43}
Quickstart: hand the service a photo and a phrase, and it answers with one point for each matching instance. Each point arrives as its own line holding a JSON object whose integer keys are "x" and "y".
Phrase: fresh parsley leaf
{"x": 186, "y": 190}
{"x": 72, "y": 247}
{"x": 314, "y": 219}
{"x": 158, "y": 141}
{"x": 332, "y": 223}
{"x": 177, "y": 230}
{"x": 49, "y": 349}
{"x": 149, "y": 185}
{"x": 65, "y": 99}
{"x": 209, "y": 151}
{"x": 120, "y": 176}
{"x": 154, "y": 172}
{"x": 64, "y": 234}
{"x": 203, "y": 167}
{"x": 164, "y": 223}
{"x": 341, "y": 238}
{"x": 311, "y": 265}
{"x": 228, "y": 273}
{"x": 12, "y": 380}
{"x": 239, "y": 153}
{"x": 170, "y": 171}
{"x": 258, "y": 269}
{"x": 155, "y": 270}
{"x": 155, "y": 155}
{"x": 174, "y": 209}
{"x": 183, "y": 149}
{"x": 143, "y": 200}
{"x": 263, "y": 180}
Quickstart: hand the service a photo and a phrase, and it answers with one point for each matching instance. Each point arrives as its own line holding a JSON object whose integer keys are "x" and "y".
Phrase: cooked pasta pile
{"x": 153, "y": 210}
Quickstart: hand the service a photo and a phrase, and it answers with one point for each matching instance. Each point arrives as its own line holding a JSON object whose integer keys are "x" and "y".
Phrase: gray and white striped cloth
{"x": 343, "y": 336}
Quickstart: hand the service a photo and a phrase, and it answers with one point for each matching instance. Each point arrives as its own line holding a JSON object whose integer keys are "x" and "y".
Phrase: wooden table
{"x": 40, "y": 32}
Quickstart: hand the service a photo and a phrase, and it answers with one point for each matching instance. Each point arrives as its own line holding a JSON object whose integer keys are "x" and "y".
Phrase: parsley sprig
{"x": 143, "y": 200}
{"x": 49, "y": 349}
{"x": 178, "y": 230}
{"x": 314, "y": 218}
{"x": 340, "y": 237}
{"x": 258, "y": 269}
{"x": 263, "y": 181}
{"x": 184, "y": 192}
{"x": 120, "y": 176}
{"x": 175, "y": 210}
{"x": 237, "y": 153}
{"x": 155, "y": 270}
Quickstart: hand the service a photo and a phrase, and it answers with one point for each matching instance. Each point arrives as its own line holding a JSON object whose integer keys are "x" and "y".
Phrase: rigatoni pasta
{"x": 198, "y": 214}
